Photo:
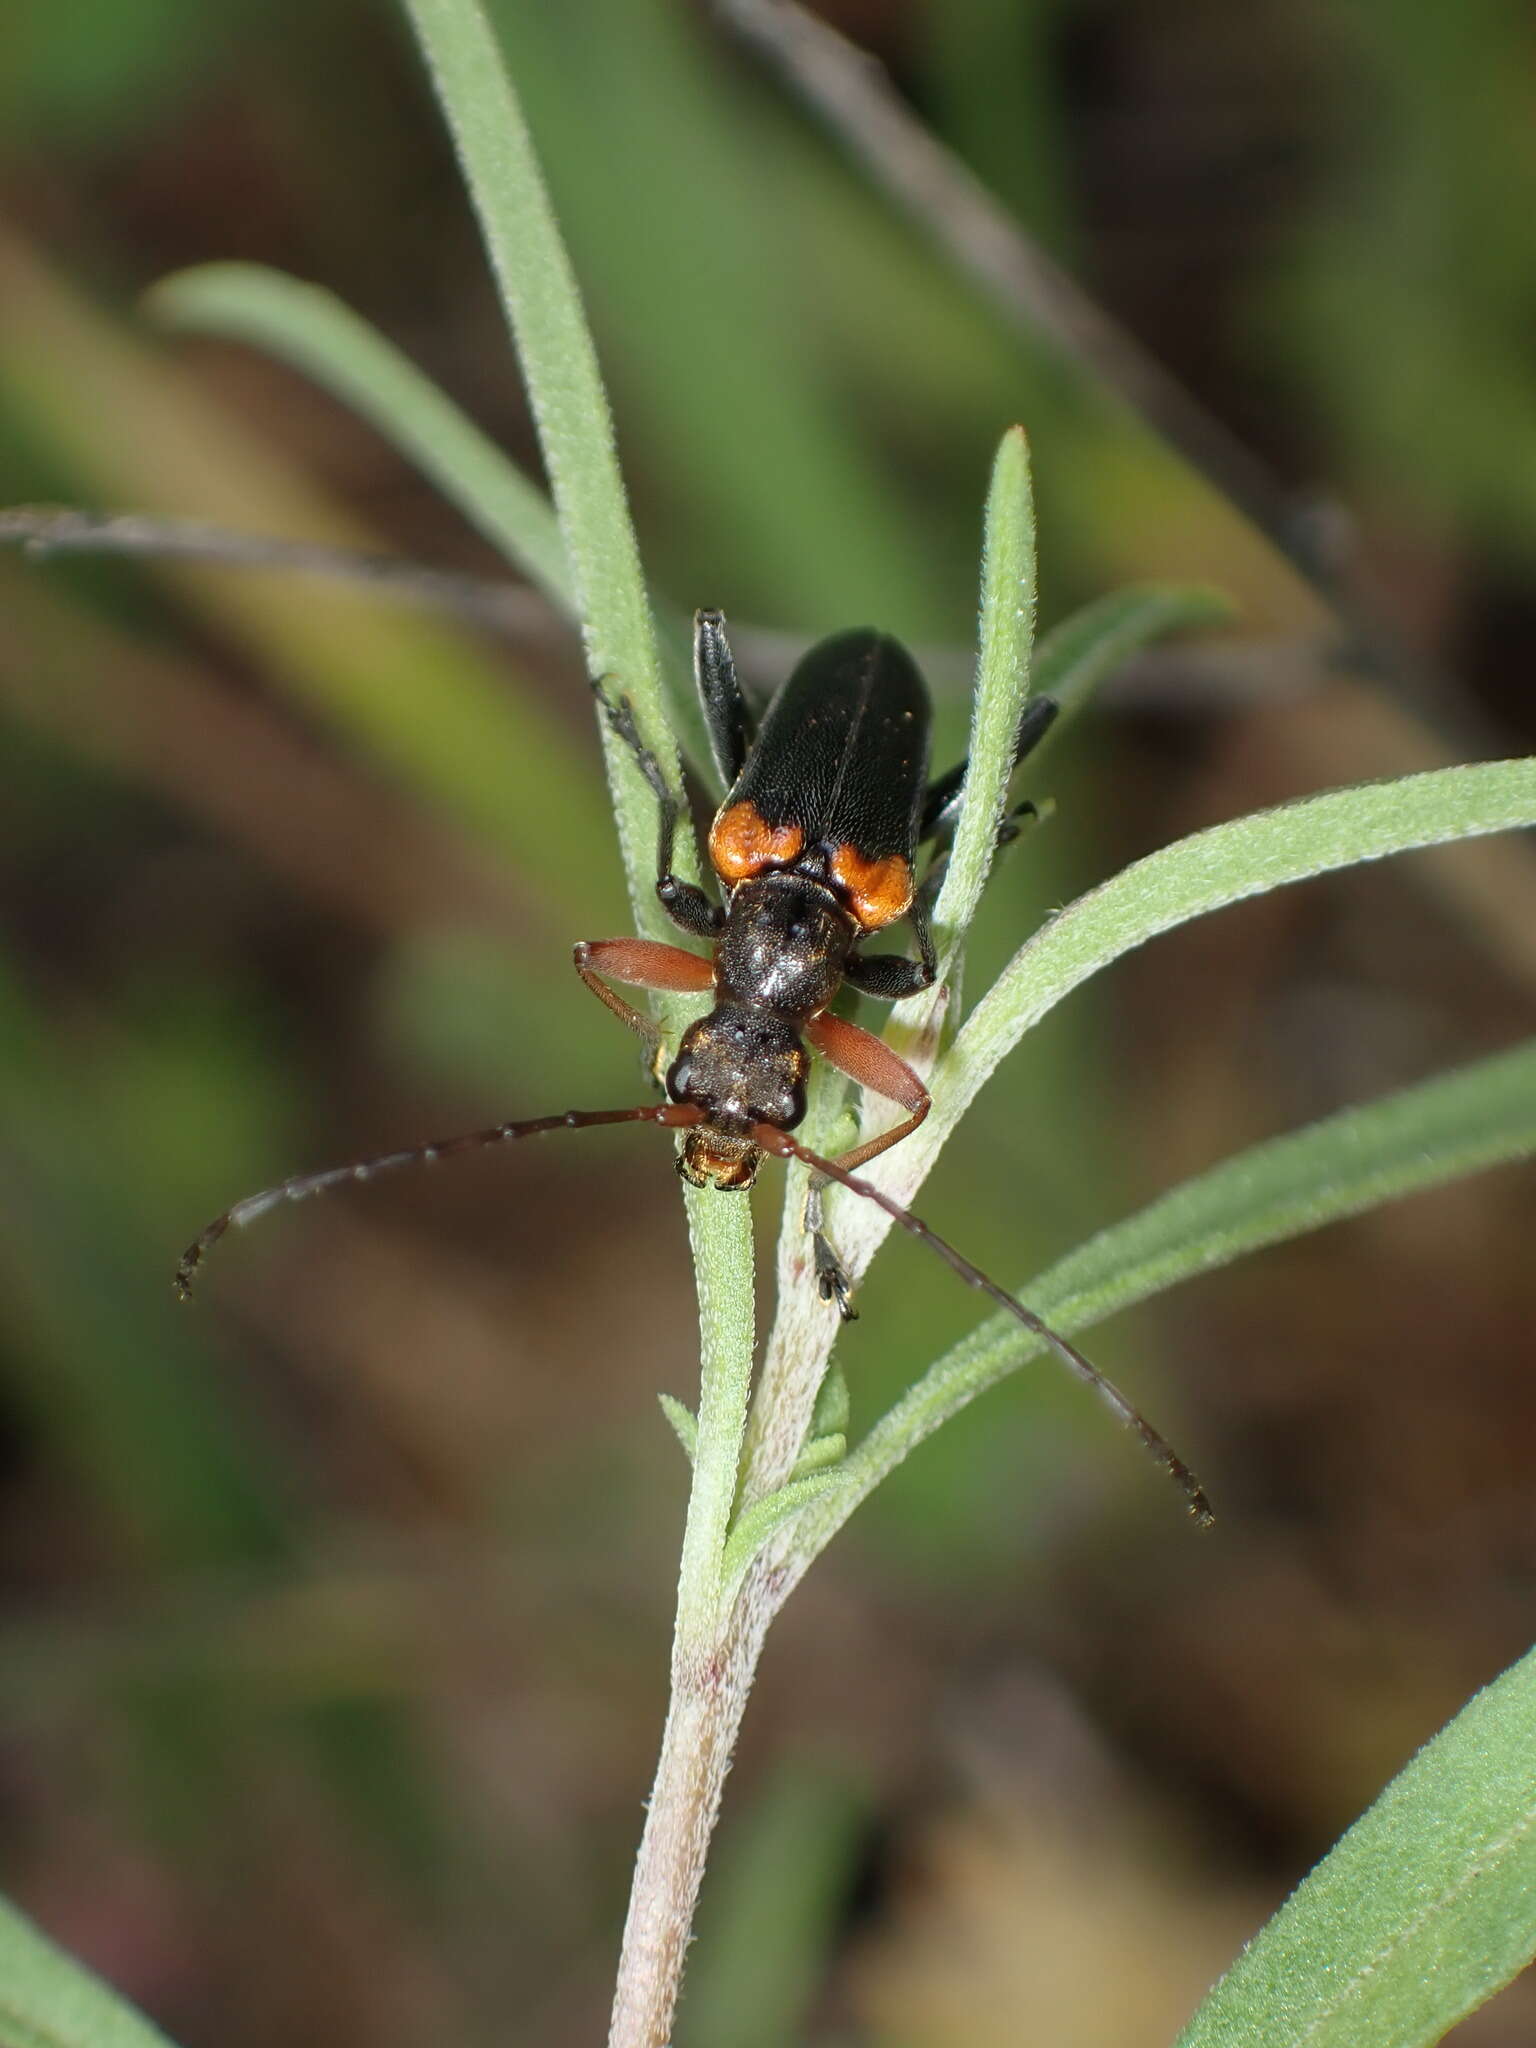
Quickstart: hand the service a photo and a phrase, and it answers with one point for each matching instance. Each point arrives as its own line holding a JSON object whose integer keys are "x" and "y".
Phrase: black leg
{"x": 1026, "y": 813}
{"x": 725, "y": 708}
{"x": 941, "y": 804}
{"x": 892, "y": 976}
{"x": 1040, "y": 714}
{"x": 832, "y": 1281}
{"x": 684, "y": 902}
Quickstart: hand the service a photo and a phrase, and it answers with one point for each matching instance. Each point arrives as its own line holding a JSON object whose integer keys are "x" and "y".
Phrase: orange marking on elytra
{"x": 742, "y": 843}
{"x": 878, "y": 891}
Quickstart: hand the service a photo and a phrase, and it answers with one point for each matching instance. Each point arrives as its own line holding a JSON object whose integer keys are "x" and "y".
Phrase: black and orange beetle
{"x": 815, "y": 850}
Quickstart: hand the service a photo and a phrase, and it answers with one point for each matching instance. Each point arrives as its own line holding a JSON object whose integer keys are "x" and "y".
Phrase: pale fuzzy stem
{"x": 715, "y": 1647}
{"x": 794, "y": 1359}
{"x": 709, "y": 1697}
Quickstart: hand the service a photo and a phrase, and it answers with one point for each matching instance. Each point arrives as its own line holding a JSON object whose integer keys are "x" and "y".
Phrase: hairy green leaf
{"x": 1478, "y": 1116}
{"x": 310, "y": 328}
{"x": 819, "y": 1452}
{"x": 684, "y": 1427}
{"x": 47, "y": 2000}
{"x": 1423, "y": 1910}
{"x": 1212, "y": 869}
{"x": 759, "y": 1521}
{"x": 1002, "y": 681}
{"x": 1086, "y": 649}
{"x": 1194, "y": 876}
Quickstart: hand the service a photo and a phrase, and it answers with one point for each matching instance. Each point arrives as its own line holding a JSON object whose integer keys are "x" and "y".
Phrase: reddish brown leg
{"x": 639, "y": 963}
{"x": 869, "y": 1061}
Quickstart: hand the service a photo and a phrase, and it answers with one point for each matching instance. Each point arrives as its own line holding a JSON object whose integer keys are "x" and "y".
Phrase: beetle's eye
{"x": 785, "y": 1105}
{"x": 680, "y": 1077}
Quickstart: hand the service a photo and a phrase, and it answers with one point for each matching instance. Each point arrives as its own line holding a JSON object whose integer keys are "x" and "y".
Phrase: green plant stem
{"x": 711, "y": 1668}
{"x": 799, "y": 1345}
{"x": 709, "y": 1698}
{"x": 713, "y": 1657}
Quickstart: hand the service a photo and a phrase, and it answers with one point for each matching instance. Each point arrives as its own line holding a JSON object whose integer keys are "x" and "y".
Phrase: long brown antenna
{"x": 771, "y": 1139}
{"x": 672, "y": 1115}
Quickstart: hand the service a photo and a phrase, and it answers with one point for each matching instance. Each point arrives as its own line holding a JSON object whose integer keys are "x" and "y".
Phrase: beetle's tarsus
{"x": 832, "y": 1281}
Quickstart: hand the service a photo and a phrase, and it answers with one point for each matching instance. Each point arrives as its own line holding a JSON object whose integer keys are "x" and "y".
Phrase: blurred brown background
{"x": 336, "y": 1608}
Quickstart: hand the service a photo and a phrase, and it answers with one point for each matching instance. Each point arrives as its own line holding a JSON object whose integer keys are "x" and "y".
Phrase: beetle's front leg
{"x": 639, "y": 963}
{"x": 892, "y": 976}
{"x": 684, "y": 902}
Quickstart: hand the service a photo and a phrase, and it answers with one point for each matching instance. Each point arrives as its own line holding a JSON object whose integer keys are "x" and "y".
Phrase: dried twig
{"x": 508, "y": 608}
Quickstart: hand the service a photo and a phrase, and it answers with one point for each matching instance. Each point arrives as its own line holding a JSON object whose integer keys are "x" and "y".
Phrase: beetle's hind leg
{"x": 869, "y": 1061}
{"x": 832, "y": 1279}
{"x": 689, "y": 908}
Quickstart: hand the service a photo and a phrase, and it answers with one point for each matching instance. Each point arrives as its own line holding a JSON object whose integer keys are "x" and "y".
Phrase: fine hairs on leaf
{"x": 764, "y": 1517}
{"x": 48, "y": 2000}
{"x": 684, "y": 1427}
{"x": 1420, "y": 1912}
{"x": 821, "y": 1451}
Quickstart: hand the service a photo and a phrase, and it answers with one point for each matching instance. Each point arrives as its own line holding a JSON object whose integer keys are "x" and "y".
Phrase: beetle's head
{"x": 741, "y": 1066}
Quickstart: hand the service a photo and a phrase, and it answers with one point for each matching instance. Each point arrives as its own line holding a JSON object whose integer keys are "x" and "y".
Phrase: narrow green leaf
{"x": 312, "y": 330}
{"x": 684, "y": 1427}
{"x": 47, "y": 2000}
{"x": 1002, "y": 683}
{"x": 570, "y": 407}
{"x": 834, "y": 1404}
{"x": 1194, "y": 876}
{"x": 819, "y": 1452}
{"x": 759, "y": 1521}
{"x": 309, "y": 328}
{"x": 1212, "y": 869}
{"x": 1460, "y": 1122}
{"x": 1075, "y": 657}
{"x": 1422, "y": 1911}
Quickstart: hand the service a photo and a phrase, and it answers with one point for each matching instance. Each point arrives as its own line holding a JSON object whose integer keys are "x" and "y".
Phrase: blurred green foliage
{"x": 1405, "y": 301}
